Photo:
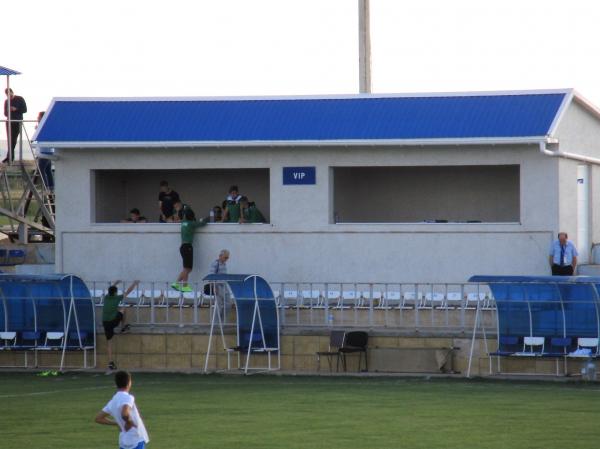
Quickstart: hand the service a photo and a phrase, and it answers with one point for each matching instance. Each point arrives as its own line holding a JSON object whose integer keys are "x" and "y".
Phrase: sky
{"x": 112, "y": 48}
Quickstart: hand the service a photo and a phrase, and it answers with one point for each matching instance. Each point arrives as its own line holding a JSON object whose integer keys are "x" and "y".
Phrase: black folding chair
{"x": 336, "y": 341}
{"x": 355, "y": 342}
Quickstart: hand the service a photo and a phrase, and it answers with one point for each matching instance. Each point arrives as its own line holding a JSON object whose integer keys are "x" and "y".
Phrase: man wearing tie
{"x": 563, "y": 256}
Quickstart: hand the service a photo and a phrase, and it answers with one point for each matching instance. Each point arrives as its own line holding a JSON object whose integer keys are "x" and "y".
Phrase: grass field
{"x": 221, "y": 412}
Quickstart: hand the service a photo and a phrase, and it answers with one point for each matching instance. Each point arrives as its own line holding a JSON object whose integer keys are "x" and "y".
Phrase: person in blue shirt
{"x": 563, "y": 256}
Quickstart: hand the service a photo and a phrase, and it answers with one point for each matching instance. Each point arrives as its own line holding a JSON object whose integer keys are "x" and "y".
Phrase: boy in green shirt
{"x": 232, "y": 211}
{"x": 112, "y": 316}
{"x": 188, "y": 228}
{"x": 250, "y": 213}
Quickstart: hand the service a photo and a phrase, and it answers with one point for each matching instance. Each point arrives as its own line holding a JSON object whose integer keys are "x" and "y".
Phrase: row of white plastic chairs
{"x": 330, "y": 295}
{"x": 155, "y": 297}
{"x": 381, "y": 299}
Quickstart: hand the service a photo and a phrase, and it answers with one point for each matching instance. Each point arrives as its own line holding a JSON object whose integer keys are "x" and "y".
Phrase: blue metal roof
{"x": 357, "y": 118}
{"x": 7, "y": 71}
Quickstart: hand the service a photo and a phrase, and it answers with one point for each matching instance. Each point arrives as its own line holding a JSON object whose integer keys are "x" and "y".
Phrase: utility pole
{"x": 364, "y": 47}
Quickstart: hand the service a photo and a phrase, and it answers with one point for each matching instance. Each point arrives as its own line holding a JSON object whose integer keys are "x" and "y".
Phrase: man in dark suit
{"x": 18, "y": 107}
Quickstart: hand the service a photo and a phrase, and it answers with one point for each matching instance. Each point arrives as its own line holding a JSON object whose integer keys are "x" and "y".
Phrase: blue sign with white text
{"x": 299, "y": 175}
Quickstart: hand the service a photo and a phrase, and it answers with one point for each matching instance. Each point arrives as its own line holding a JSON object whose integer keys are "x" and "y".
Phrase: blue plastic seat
{"x": 559, "y": 347}
{"x": 507, "y": 345}
{"x": 74, "y": 338}
{"x": 29, "y": 339}
{"x": 12, "y": 257}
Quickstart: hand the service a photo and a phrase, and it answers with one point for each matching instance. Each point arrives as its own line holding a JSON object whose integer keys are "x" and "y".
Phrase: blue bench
{"x": 10, "y": 257}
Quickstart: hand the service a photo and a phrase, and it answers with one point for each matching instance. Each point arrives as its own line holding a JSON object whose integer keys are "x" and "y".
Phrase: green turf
{"x": 221, "y": 412}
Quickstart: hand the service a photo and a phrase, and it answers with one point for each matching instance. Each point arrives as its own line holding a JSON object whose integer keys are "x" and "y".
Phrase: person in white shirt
{"x": 219, "y": 266}
{"x": 121, "y": 411}
{"x": 562, "y": 256}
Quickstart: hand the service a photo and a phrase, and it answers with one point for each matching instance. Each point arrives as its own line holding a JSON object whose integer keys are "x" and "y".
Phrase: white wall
{"x": 300, "y": 243}
{"x": 578, "y": 132}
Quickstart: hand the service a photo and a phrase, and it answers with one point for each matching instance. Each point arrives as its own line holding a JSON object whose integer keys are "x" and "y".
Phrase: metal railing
{"x": 385, "y": 306}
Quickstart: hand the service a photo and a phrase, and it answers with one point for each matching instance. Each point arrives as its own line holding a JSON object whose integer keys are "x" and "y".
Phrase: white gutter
{"x": 564, "y": 154}
{"x": 298, "y": 143}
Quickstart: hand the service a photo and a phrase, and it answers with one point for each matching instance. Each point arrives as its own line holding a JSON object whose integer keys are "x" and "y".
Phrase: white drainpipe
{"x": 583, "y": 196}
{"x": 583, "y": 213}
{"x": 565, "y": 154}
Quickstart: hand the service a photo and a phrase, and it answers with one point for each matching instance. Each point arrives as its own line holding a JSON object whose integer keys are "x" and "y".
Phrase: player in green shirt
{"x": 250, "y": 213}
{"x": 112, "y": 316}
{"x": 188, "y": 228}
{"x": 232, "y": 211}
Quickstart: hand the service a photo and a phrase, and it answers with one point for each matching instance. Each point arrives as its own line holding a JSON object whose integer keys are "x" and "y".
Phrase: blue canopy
{"x": 7, "y": 71}
{"x": 545, "y": 306}
{"x": 247, "y": 290}
{"x": 41, "y": 303}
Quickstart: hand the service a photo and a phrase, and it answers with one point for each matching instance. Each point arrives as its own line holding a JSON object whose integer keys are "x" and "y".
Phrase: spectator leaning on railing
{"x": 135, "y": 216}
{"x": 249, "y": 212}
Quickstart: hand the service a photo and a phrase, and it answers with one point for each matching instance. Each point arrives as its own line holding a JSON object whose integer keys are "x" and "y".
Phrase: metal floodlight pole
{"x": 364, "y": 47}
{"x": 8, "y": 123}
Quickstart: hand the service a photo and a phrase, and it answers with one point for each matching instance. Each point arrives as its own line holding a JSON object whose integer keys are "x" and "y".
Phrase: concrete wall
{"x": 416, "y": 194}
{"x": 186, "y": 352}
{"x": 300, "y": 243}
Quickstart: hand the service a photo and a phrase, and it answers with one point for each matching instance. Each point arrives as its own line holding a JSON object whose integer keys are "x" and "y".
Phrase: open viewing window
{"x": 116, "y": 192}
{"x": 449, "y": 194}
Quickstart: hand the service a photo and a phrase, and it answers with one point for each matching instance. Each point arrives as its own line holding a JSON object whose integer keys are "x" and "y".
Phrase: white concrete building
{"x": 407, "y": 188}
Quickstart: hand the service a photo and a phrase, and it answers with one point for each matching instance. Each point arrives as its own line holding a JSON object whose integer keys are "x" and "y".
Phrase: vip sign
{"x": 299, "y": 176}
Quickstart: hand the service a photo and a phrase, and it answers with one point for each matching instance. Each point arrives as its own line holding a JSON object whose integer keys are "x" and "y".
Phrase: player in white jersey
{"x": 121, "y": 411}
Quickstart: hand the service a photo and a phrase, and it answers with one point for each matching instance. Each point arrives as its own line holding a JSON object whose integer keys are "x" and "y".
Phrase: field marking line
{"x": 42, "y": 393}
{"x": 67, "y": 390}
{"x": 217, "y": 383}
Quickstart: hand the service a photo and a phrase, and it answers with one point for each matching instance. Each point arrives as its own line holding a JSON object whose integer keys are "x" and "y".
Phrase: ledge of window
{"x": 169, "y": 228}
{"x": 430, "y": 223}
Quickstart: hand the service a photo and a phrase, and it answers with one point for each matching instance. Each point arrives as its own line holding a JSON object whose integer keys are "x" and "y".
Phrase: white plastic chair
{"x": 366, "y": 298}
{"x": 333, "y": 297}
{"x": 310, "y": 297}
{"x": 277, "y": 296}
{"x": 348, "y": 299}
{"x": 8, "y": 340}
{"x": 433, "y": 299}
{"x": 98, "y": 296}
{"x": 290, "y": 298}
{"x": 53, "y": 340}
{"x": 588, "y": 343}
{"x": 392, "y": 297}
{"x": 410, "y": 299}
{"x": 529, "y": 346}
{"x": 188, "y": 298}
{"x": 134, "y": 298}
{"x": 453, "y": 299}
{"x": 473, "y": 298}
{"x": 173, "y": 297}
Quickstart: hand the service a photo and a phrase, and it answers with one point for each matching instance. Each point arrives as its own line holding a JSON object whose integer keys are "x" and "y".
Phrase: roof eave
{"x": 282, "y": 143}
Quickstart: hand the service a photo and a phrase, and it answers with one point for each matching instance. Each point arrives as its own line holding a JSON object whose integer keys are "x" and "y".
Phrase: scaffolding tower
{"x": 26, "y": 200}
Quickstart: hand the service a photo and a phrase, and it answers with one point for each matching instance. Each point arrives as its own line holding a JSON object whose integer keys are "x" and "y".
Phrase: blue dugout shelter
{"x": 44, "y": 313}
{"x": 544, "y": 316}
{"x": 257, "y": 324}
